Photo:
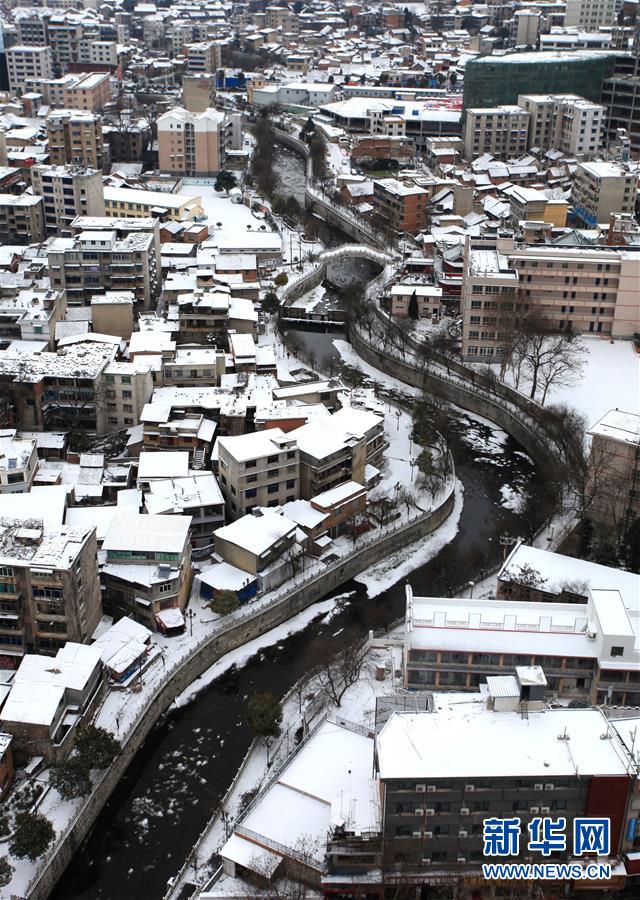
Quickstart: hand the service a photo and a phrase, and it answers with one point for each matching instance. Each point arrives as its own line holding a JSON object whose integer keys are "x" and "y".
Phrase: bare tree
{"x": 336, "y": 674}
{"x": 545, "y": 357}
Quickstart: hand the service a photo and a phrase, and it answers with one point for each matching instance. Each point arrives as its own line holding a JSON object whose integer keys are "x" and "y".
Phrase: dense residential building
{"x": 564, "y": 122}
{"x": 204, "y": 57}
{"x": 21, "y": 219}
{"x": 590, "y": 15}
{"x": 603, "y": 188}
{"x": 198, "y": 92}
{"x": 100, "y": 260}
{"x": 75, "y": 138}
{"x": 59, "y": 390}
{"x": 501, "y": 131}
{"x": 18, "y": 462}
{"x": 402, "y": 207}
{"x": 260, "y": 469}
{"x": 31, "y": 314}
{"x": 148, "y": 569}
{"x": 49, "y": 701}
{"x": 67, "y": 192}
{"x": 123, "y": 203}
{"x": 193, "y": 143}
{"x": 50, "y": 589}
{"x": 25, "y": 63}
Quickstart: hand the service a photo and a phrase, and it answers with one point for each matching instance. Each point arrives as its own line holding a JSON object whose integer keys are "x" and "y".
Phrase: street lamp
{"x": 191, "y": 616}
{"x": 471, "y": 586}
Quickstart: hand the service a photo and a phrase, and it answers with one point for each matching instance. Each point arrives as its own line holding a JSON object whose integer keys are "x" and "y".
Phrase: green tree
{"x": 279, "y": 205}
{"x": 225, "y": 181}
{"x": 413, "y": 306}
{"x": 96, "y": 746}
{"x": 32, "y": 837}
{"x": 270, "y": 303}
{"x": 281, "y": 279}
{"x": 453, "y": 78}
{"x": 6, "y": 871}
{"x": 264, "y": 715}
{"x": 71, "y": 778}
{"x": 224, "y": 602}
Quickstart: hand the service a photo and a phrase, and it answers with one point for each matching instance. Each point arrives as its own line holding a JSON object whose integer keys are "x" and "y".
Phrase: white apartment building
{"x": 67, "y": 192}
{"x": 525, "y": 27}
{"x": 501, "y": 131}
{"x": 24, "y": 63}
{"x": 590, "y": 14}
{"x": 578, "y": 289}
{"x": 602, "y": 188}
{"x": 564, "y": 122}
{"x": 18, "y": 462}
{"x": 204, "y": 57}
{"x": 259, "y": 469}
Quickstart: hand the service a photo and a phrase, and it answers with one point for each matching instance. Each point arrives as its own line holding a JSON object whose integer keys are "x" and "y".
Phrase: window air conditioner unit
{"x": 431, "y": 788}
{"x": 537, "y": 787}
{"x": 419, "y": 811}
{"x": 545, "y": 809}
{"x": 417, "y": 834}
{"x": 462, "y": 860}
{"x": 429, "y": 812}
{"x": 420, "y": 788}
{"x": 549, "y": 787}
{"x": 428, "y": 834}
{"x": 462, "y": 834}
{"x": 426, "y": 861}
{"x": 464, "y": 811}
{"x": 469, "y": 787}
{"x": 534, "y": 809}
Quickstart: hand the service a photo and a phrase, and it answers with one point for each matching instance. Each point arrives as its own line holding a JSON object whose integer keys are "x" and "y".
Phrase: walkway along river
{"x": 175, "y": 781}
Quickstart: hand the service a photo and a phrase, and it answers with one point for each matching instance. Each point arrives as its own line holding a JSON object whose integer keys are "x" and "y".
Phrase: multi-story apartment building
{"x": 193, "y": 143}
{"x": 90, "y": 92}
{"x": 182, "y": 431}
{"x": 67, "y": 192}
{"x": 621, "y": 97}
{"x": 123, "y": 226}
{"x": 49, "y": 587}
{"x": 615, "y": 453}
{"x": 128, "y": 387}
{"x": 25, "y": 63}
{"x": 75, "y": 138}
{"x": 577, "y": 289}
{"x": 148, "y": 567}
{"x": 64, "y": 35}
{"x": 338, "y": 449}
{"x": 586, "y": 649}
{"x": 402, "y": 206}
{"x": 602, "y": 188}
{"x": 501, "y": 131}
{"x": 197, "y": 496}
{"x": 59, "y": 390}
{"x": 31, "y": 314}
{"x": 98, "y": 53}
{"x": 21, "y": 219}
{"x": 18, "y": 462}
{"x": 204, "y": 57}
{"x": 564, "y": 122}
{"x": 100, "y": 261}
{"x": 259, "y": 469}
{"x": 590, "y": 15}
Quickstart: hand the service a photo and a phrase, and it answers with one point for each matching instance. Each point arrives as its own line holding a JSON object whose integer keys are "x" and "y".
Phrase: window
{"x": 273, "y": 488}
{"x": 617, "y": 651}
{"x": 252, "y": 492}
{"x": 291, "y": 483}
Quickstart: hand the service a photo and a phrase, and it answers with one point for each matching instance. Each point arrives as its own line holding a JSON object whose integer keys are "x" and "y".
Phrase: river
{"x": 174, "y": 783}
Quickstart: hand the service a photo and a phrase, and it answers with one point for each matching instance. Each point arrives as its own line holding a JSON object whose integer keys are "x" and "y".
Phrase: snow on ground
{"x": 234, "y": 217}
{"x": 511, "y": 498}
{"x": 384, "y": 574}
{"x": 611, "y": 379}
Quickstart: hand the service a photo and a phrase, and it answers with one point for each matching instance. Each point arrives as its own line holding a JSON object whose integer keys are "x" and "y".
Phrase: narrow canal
{"x": 178, "y": 777}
